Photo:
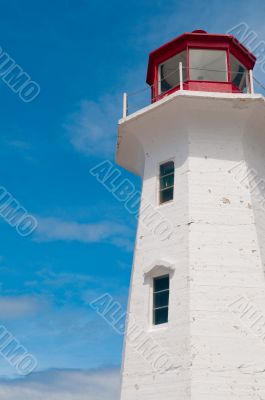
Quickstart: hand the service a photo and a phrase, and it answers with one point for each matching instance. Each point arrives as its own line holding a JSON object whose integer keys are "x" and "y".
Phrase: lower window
{"x": 160, "y": 300}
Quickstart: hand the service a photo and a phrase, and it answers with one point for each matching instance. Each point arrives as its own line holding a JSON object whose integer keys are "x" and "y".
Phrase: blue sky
{"x": 83, "y": 54}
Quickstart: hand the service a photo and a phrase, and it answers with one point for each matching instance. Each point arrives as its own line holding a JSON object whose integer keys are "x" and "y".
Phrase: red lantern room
{"x": 200, "y": 61}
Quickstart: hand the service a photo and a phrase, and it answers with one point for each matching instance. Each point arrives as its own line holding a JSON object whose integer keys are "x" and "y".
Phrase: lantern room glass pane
{"x": 169, "y": 72}
{"x": 239, "y": 74}
{"x": 208, "y": 65}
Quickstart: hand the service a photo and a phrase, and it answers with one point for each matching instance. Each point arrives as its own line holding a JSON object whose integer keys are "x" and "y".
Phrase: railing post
{"x": 125, "y": 105}
{"x": 180, "y": 76}
{"x": 251, "y": 83}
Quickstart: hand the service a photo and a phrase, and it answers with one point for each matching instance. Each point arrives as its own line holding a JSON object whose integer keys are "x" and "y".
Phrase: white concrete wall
{"x": 225, "y": 263}
{"x": 138, "y": 379}
{"x": 216, "y": 252}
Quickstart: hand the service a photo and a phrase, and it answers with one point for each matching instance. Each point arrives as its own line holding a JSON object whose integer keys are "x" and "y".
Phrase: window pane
{"x": 166, "y": 195}
{"x": 239, "y": 74}
{"x": 161, "y": 299}
{"x": 167, "y": 181}
{"x": 161, "y": 283}
{"x": 166, "y": 168}
{"x": 161, "y": 316}
{"x": 169, "y": 72}
{"x": 208, "y": 65}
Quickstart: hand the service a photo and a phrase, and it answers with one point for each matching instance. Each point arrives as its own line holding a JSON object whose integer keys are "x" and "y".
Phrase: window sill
{"x": 166, "y": 203}
{"x": 158, "y": 328}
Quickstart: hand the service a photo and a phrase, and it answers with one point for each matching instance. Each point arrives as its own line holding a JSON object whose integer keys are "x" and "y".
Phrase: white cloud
{"x": 22, "y": 148}
{"x": 52, "y": 229}
{"x": 92, "y": 128}
{"x": 19, "y": 144}
{"x": 61, "y": 279}
{"x": 12, "y": 307}
{"x": 63, "y": 385}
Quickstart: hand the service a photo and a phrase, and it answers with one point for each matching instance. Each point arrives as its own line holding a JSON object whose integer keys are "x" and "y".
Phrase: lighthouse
{"x": 196, "y": 310}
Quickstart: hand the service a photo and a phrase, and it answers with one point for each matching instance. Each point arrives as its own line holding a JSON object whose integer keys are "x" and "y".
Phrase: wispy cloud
{"x": 61, "y": 279}
{"x": 12, "y": 307}
{"x": 21, "y": 147}
{"x": 92, "y": 127}
{"x": 53, "y": 229}
{"x": 63, "y": 385}
{"x": 19, "y": 144}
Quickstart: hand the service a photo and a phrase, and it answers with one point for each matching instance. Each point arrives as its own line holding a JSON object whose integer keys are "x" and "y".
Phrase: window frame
{"x": 227, "y": 60}
{"x": 158, "y": 268}
{"x": 246, "y": 71}
{"x": 160, "y": 204}
{"x": 153, "y": 309}
{"x": 185, "y": 50}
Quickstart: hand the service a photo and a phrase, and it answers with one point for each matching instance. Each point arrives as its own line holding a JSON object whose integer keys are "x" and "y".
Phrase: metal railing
{"x": 181, "y": 84}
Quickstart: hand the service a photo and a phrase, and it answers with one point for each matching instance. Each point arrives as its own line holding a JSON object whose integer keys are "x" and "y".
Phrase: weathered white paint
{"x": 251, "y": 82}
{"x": 215, "y": 254}
{"x": 125, "y": 105}
{"x": 180, "y": 76}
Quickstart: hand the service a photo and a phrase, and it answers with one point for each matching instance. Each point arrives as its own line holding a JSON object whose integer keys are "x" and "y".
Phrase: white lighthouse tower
{"x": 196, "y": 314}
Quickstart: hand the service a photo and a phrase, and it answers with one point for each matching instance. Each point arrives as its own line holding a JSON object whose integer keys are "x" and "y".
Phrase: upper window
{"x": 169, "y": 72}
{"x": 166, "y": 184}
{"x": 208, "y": 65}
{"x": 239, "y": 74}
{"x": 160, "y": 300}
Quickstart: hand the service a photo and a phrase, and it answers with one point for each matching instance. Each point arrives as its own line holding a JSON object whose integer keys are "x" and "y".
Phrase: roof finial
{"x": 199, "y": 31}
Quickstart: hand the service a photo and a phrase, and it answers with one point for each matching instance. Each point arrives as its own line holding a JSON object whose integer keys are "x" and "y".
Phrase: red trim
{"x": 202, "y": 86}
{"x": 156, "y": 87}
{"x": 188, "y": 63}
{"x": 229, "y": 65}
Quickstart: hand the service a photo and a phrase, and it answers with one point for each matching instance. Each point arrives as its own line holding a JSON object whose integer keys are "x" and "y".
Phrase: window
{"x": 239, "y": 74}
{"x": 161, "y": 300}
{"x": 166, "y": 184}
{"x": 208, "y": 65}
{"x": 169, "y": 72}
